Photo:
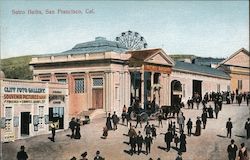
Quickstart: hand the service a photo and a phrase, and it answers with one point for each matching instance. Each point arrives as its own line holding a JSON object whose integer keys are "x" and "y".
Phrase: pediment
{"x": 160, "y": 58}
{"x": 241, "y": 59}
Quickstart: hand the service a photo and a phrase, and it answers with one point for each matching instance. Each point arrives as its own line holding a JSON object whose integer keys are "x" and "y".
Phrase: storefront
{"x": 57, "y": 106}
{"x": 25, "y": 108}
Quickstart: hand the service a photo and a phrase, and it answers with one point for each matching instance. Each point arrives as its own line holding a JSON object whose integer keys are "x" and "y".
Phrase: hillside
{"x": 17, "y": 67}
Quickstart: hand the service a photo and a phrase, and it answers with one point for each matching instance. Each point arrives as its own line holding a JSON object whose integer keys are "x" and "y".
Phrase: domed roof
{"x": 99, "y": 45}
{"x": 2, "y": 75}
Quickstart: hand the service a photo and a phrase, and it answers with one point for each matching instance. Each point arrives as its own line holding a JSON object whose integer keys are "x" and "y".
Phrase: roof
{"x": 142, "y": 54}
{"x": 194, "y": 68}
{"x": 100, "y": 44}
{"x": 233, "y": 55}
{"x": 145, "y": 55}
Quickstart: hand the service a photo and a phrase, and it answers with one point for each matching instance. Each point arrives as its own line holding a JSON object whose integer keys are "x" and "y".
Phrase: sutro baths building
{"x": 103, "y": 76}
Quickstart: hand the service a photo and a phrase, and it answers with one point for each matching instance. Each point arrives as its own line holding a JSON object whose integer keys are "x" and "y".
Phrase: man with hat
{"x": 247, "y": 127}
{"x": 22, "y": 155}
{"x": 84, "y": 155}
{"x": 98, "y": 157}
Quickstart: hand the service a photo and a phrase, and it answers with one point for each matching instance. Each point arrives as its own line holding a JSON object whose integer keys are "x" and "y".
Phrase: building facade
{"x": 238, "y": 67}
{"x": 28, "y": 107}
{"x": 193, "y": 78}
{"x": 103, "y": 76}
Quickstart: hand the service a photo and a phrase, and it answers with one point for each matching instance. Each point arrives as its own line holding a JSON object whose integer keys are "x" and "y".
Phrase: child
{"x": 176, "y": 140}
{"x": 105, "y": 132}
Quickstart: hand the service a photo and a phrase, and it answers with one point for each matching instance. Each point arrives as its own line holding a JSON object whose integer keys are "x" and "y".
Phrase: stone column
{"x": 168, "y": 90}
{"x": 164, "y": 89}
{"x": 152, "y": 83}
{"x": 128, "y": 81}
{"x": 111, "y": 93}
{"x": 142, "y": 88}
{"x": 106, "y": 89}
{"x": 88, "y": 89}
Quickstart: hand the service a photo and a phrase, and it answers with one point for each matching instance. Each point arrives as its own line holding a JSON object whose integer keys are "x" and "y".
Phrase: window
{"x": 79, "y": 85}
{"x": 8, "y": 120}
{"x": 183, "y": 90}
{"x": 228, "y": 88}
{"x": 218, "y": 87}
{"x": 41, "y": 116}
{"x": 116, "y": 93}
{"x": 157, "y": 78}
{"x": 240, "y": 84}
{"x": 97, "y": 82}
{"x": 62, "y": 80}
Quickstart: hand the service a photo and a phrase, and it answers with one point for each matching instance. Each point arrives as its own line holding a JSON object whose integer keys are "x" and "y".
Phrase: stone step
{"x": 92, "y": 114}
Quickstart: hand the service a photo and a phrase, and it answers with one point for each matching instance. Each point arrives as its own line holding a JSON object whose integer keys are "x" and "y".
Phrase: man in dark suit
{"x": 22, "y": 155}
{"x": 139, "y": 140}
{"x": 204, "y": 119}
{"x": 247, "y": 127}
{"x": 98, "y": 157}
{"x": 229, "y": 127}
{"x": 231, "y": 150}
{"x": 148, "y": 142}
{"x": 189, "y": 126}
{"x": 72, "y": 125}
{"x": 168, "y": 139}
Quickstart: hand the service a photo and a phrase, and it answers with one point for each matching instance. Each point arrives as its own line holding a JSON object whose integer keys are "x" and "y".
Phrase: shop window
{"x": 8, "y": 119}
{"x": 97, "y": 82}
{"x": 79, "y": 85}
{"x": 41, "y": 117}
{"x": 240, "y": 84}
{"x": 56, "y": 115}
{"x": 62, "y": 81}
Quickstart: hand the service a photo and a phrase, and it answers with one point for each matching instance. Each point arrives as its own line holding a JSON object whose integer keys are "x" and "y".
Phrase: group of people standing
{"x": 232, "y": 151}
{"x": 138, "y": 140}
{"x": 240, "y": 96}
{"x": 74, "y": 125}
{"x": 115, "y": 119}
{"x": 84, "y": 156}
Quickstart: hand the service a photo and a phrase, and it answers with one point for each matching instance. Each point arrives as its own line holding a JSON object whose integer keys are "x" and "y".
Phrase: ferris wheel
{"x": 132, "y": 40}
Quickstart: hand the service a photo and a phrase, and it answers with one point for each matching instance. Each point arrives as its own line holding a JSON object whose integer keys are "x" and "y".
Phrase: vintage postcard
{"x": 124, "y": 80}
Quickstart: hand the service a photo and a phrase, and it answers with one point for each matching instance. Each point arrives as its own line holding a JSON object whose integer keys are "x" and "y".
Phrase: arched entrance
{"x": 176, "y": 93}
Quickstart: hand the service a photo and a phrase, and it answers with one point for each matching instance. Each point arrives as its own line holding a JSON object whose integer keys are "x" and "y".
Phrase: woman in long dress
{"x": 183, "y": 142}
{"x": 198, "y": 127}
{"x": 243, "y": 152}
{"x": 108, "y": 122}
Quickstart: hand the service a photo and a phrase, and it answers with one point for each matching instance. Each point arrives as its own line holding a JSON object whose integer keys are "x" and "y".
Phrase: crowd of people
{"x": 175, "y": 131}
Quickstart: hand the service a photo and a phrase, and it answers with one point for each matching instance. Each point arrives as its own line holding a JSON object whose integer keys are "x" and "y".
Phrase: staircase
{"x": 92, "y": 114}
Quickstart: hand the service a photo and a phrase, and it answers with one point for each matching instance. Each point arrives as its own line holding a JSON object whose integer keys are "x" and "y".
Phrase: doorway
{"x": 197, "y": 87}
{"x": 25, "y": 123}
{"x": 97, "y": 98}
{"x": 176, "y": 92}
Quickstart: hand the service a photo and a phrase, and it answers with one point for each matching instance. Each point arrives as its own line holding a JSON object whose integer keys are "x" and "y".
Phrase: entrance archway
{"x": 176, "y": 92}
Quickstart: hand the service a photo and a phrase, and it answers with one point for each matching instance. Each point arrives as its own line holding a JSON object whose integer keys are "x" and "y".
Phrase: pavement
{"x": 211, "y": 145}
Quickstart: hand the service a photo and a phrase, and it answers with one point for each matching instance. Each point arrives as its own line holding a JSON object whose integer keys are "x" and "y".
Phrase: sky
{"x": 203, "y": 28}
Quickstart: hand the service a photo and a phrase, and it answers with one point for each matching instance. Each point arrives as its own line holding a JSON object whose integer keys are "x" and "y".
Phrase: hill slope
{"x": 17, "y": 67}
